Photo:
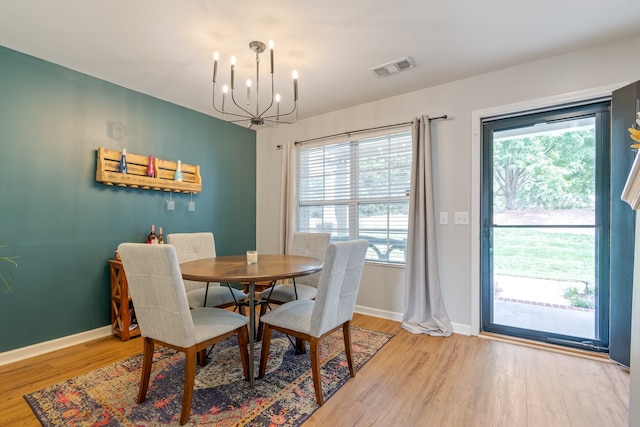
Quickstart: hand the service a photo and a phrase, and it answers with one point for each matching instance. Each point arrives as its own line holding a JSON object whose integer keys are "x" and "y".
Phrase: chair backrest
{"x": 338, "y": 285}
{"x": 192, "y": 246}
{"x": 157, "y": 292}
{"x": 312, "y": 245}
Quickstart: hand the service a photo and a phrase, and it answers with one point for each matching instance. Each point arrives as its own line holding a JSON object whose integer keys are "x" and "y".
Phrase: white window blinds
{"x": 359, "y": 189}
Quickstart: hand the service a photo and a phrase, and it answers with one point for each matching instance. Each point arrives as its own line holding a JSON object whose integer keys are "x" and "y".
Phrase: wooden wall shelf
{"x": 136, "y": 176}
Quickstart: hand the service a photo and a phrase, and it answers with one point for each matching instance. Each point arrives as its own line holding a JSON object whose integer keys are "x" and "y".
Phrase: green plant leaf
{"x": 3, "y": 279}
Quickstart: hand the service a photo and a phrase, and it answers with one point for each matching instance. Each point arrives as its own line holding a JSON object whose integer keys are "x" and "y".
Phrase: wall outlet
{"x": 461, "y": 217}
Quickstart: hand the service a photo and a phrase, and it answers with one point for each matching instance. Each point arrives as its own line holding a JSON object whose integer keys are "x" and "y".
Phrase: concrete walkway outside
{"x": 540, "y": 305}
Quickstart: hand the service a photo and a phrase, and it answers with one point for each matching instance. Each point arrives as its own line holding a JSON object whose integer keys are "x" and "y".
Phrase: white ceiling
{"x": 164, "y": 48}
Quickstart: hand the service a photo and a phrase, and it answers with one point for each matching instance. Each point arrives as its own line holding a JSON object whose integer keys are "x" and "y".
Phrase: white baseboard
{"x": 384, "y": 314}
{"x": 458, "y": 328}
{"x": 53, "y": 345}
{"x": 462, "y": 329}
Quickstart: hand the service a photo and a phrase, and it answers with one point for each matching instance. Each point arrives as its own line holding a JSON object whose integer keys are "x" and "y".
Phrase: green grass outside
{"x": 553, "y": 254}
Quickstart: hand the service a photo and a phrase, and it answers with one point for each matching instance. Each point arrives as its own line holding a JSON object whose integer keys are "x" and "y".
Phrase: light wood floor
{"x": 414, "y": 380}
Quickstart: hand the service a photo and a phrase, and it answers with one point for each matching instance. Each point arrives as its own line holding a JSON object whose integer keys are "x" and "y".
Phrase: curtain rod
{"x": 443, "y": 117}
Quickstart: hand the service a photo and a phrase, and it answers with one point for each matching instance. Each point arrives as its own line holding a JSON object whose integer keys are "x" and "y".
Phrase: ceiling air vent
{"x": 393, "y": 67}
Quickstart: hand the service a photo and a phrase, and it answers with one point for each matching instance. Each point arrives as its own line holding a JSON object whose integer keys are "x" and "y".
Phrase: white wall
{"x": 382, "y": 289}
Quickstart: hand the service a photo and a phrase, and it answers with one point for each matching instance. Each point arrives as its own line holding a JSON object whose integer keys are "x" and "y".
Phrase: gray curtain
{"x": 424, "y": 308}
{"x": 289, "y": 194}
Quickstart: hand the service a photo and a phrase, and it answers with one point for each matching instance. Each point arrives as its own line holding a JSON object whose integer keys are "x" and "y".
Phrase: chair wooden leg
{"x": 243, "y": 342}
{"x": 264, "y": 353}
{"x": 202, "y": 357}
{"x": 315, "y": 369}
{"x": 241, "y": 309}
{"x": 300, "y": 347}
{"x": 189, "y": 382}
{"x": 147, "y": 361}
{"x": 346, "y": 333}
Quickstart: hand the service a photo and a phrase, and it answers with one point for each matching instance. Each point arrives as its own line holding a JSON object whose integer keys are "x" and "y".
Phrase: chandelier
{"x": 235, "y": 112}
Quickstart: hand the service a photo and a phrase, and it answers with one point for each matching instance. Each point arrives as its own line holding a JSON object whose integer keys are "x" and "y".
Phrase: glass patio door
{"x": 545, "y": 198}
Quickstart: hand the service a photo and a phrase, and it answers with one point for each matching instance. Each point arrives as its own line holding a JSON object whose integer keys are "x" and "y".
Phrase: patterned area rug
{"x": 284, "y": 397}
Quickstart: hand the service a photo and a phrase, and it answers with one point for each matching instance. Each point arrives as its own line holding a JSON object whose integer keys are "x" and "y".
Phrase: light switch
{"x": 444, "y": 218}
{"x": 461, "y": 218}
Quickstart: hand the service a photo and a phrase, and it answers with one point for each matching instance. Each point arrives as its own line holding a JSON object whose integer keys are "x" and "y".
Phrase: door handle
{"x": 487, "y": 230}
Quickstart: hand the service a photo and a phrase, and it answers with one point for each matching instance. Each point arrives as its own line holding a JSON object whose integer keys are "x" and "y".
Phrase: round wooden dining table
{"x": 235, "y": 269}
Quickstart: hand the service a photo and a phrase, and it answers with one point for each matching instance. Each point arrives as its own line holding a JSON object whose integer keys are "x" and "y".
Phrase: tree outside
{"x": 547, "y": 171}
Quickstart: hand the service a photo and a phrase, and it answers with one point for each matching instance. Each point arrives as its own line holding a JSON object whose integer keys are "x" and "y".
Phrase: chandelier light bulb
{"x": 295, "y": 85}
{"x": 271, "y": 54}
{"x": 216, "y": 56}
{"x": 225, "y": 89}
{"x": 233, "y": 67}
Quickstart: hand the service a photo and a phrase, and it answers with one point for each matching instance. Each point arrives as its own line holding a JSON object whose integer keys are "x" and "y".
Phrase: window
{"x": 359, "y": 189}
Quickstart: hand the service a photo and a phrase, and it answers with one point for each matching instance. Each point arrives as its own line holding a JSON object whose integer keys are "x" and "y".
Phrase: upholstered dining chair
{"x": 313, "y": 245}
{"x": 193, "y": 246}
{"x": 311, "y": 320}
{"x": 164, "y": 317}
{"x": 306, "y": 244}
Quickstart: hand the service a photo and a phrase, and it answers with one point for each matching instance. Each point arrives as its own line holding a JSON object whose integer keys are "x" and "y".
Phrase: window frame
{"x": 600, "y": 110}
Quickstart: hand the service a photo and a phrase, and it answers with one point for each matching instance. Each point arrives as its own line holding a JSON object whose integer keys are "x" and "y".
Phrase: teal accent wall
{"x": 64, "y": 226}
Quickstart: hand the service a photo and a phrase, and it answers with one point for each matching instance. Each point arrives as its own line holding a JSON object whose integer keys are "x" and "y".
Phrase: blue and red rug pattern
{"x": 284, "y": 397}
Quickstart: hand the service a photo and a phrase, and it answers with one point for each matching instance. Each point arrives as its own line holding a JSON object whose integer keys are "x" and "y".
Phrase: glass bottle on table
{"x": 152, "y": 238}
{"x": 160, "y": 236}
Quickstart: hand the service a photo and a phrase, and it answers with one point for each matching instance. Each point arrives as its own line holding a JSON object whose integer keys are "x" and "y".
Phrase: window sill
{"x": 384, "y": 264}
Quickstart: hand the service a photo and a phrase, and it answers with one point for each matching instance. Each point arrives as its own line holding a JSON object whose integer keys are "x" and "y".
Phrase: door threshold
{"x": 602, "y": 357}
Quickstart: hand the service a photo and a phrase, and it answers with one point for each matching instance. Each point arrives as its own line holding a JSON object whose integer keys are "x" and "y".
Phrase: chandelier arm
{"x": 279, "y": 117}
{"x": 293, "y": 110}
{"x": 224, "y": 112}
{"x": 221, "y": 111}
{"x": 242, "y": 116}
{"x": 279, "y": 121}
{"x": 233, "y": 98}
{"x": 213, "y": 99}
{"x": 243, "y": 119}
